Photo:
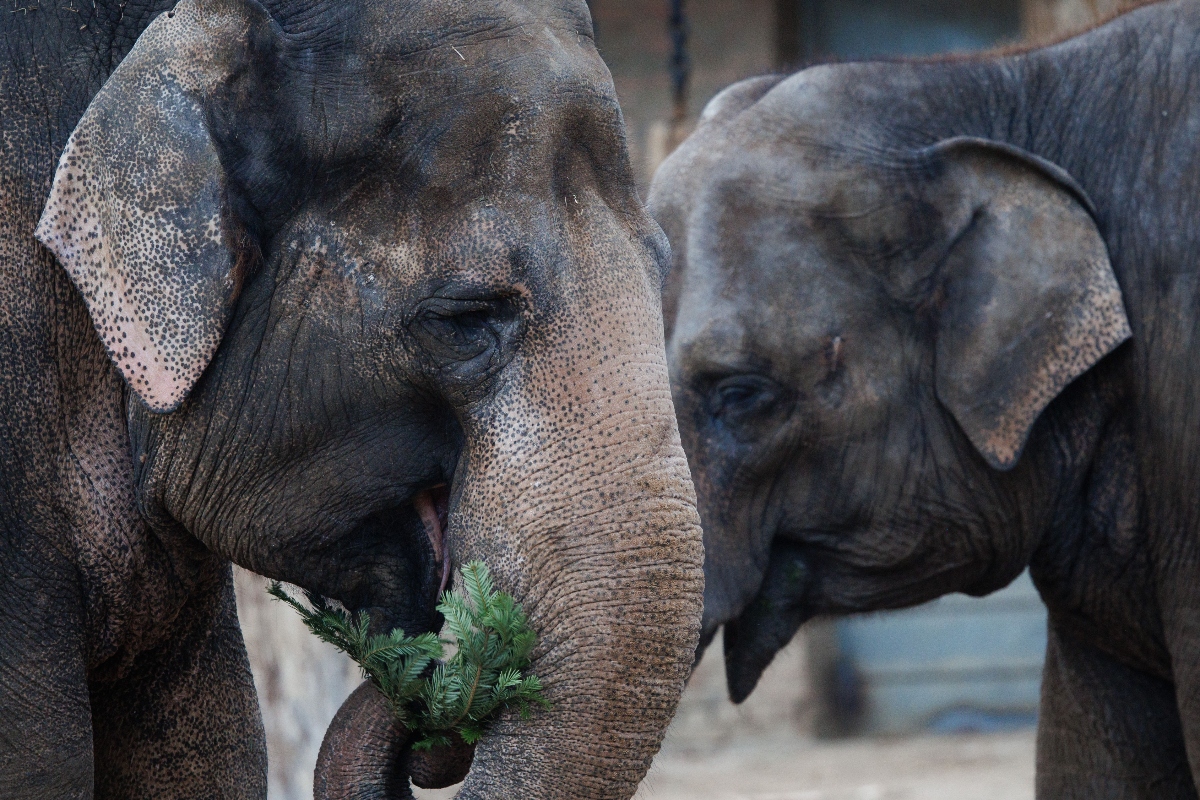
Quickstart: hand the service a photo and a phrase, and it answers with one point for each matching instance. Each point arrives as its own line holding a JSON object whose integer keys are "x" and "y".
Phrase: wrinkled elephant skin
{"x": 934, "y": 322}
{"x": 349, "y": 294}
{"x": 363, "y": 751}
{"x": 365, "y": 754}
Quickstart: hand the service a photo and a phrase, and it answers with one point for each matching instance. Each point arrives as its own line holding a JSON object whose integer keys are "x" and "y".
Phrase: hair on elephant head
{"x": 385, "y": 300}
{"x": 863, "y": 334}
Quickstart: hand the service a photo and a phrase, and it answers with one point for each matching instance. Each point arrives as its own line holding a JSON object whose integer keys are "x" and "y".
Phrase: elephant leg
{"x": 45, "y": 717}
{"x": 1180, "y": 600}
{"x": 1107, "y": 732}
{"x": 184, "y": 721}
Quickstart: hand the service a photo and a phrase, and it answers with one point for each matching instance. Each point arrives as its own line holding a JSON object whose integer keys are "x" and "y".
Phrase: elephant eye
{"x": 740, "y": 399}
{"x": 454, "y": 330}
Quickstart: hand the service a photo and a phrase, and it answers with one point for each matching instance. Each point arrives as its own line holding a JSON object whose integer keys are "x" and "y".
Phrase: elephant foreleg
{"x": 184, "y": 722}
{"x": 45, "y": 720}
{"x": 1107, "y": 732}
{"x": 1181, "y": 622}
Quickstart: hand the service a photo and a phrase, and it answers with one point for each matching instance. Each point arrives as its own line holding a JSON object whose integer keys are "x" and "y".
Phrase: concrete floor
{"x": 991, "y": 767}
{"x": 979, "y": 767}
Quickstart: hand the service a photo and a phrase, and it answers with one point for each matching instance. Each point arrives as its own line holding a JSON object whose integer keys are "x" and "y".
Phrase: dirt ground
{"x": 978, "y": 767}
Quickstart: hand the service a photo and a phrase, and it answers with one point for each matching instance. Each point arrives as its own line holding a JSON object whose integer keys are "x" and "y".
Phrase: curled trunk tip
{"x": 366, "y": 754}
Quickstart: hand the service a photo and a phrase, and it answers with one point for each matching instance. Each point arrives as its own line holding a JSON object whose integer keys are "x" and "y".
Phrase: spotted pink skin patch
{"x": 137, "y": 213}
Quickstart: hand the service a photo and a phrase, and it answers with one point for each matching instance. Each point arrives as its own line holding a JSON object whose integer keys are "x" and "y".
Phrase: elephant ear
{"x": 138, "y": 214}
{"x": 1030, "y": 299}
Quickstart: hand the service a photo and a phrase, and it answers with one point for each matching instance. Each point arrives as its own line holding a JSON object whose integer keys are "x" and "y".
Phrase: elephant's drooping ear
{"x": 1030, "y": 299}
{"x": 138, "y": 213}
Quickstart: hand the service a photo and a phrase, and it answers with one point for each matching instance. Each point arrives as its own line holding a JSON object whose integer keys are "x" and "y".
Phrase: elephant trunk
{"x": 617, "y": 631}
{"x": 365, "y": 755}
{"x": 615, "y": 661}
{"x": 574, "y": 489}
{"x": 362, "y": 755}
{"x": 603, "y": 548}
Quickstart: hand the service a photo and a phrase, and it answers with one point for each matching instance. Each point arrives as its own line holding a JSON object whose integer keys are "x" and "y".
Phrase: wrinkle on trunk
{"x": 362, "y": 755}
{"x": 612, "y": 582}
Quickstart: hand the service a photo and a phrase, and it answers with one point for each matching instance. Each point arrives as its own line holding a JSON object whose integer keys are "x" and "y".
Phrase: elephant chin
{"x": 768, "y": 623}
{"x": 365, "y": 755}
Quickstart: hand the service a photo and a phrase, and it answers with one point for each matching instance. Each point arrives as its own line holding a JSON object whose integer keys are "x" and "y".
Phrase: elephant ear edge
{"x": 1031, "y": 300}
{"x": 137, "y": 212}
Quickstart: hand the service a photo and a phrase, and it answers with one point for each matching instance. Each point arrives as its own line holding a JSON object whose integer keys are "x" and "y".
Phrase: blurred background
{"x": 932, "y": 703}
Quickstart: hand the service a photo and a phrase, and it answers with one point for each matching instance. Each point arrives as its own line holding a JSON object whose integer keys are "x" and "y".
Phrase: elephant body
{"x": 349, "y": 294}
{"x": 936, "y": 321}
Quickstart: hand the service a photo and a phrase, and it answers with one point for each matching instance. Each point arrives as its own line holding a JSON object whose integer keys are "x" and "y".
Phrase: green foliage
{"x": 437, "y": 698}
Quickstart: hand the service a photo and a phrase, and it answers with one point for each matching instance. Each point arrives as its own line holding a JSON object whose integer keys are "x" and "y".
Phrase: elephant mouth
{"x": 783, "y": 603}
{"x": 433, "y": 507}
{"x": 366, "y": 752}
{"x": 394, "y": 563}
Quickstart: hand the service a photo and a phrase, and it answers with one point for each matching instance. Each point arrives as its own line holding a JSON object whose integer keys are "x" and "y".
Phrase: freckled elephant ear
{"x": 1030, "y": 299}
{"x": 137, "y": 213}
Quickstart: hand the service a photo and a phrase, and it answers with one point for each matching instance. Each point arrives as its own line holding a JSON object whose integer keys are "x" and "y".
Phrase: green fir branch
{"x": 432, "y": 696}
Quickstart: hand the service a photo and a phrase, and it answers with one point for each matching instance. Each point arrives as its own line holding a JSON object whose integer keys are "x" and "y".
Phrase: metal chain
{"x": 681, "y": 65}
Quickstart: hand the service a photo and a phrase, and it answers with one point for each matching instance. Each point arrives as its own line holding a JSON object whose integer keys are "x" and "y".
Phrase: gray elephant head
{"x": 866, "y": 323}
{"x": 380, "y": 284}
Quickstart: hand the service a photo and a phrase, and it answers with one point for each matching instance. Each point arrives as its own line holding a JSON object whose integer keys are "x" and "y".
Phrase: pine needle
{"x": 432, "y": 696}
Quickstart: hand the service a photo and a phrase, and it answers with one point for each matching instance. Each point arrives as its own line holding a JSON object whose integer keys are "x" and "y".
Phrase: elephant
{"x": 932, "y": 322}
{"x": 350, "y": 294}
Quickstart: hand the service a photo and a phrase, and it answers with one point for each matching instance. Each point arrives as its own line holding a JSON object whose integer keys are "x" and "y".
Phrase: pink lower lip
{"x": 433, "y": 518}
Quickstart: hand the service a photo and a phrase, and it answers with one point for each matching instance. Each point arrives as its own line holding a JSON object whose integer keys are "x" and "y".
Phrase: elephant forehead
{"x": 760, "y": 287}
{"x": 747, "y": 248}
{"x": 442, "y": 93}
{"x": 443, "y": 49}
{"x": 412, "y": 25}
{"x": 752, "y": 332}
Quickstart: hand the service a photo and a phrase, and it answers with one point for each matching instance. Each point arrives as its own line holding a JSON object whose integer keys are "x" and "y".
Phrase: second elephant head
{"x": 863, "y": 333}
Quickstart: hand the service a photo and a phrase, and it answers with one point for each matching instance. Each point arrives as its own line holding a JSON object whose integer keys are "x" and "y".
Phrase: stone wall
{"x": 728, "y": 42}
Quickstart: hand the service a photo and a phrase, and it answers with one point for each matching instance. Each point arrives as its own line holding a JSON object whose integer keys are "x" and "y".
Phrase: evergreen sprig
{"x": 432, "y": 696}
